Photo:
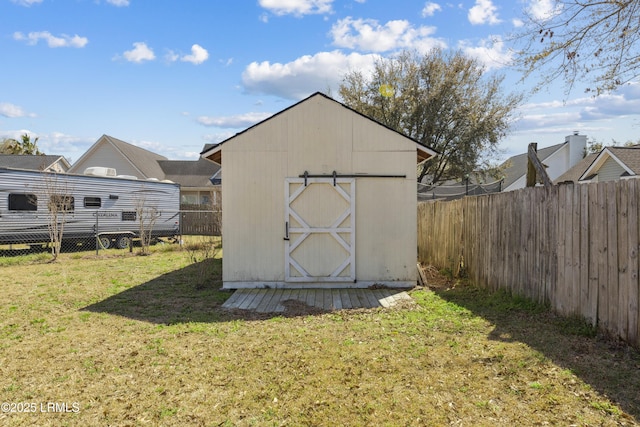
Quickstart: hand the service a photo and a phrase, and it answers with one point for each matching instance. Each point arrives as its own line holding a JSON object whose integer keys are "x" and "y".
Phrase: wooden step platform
{"x": 279, "y": 300}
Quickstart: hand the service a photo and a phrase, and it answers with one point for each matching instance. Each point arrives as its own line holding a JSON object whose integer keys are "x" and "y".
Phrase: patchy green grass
{"x": 136, "y": 340}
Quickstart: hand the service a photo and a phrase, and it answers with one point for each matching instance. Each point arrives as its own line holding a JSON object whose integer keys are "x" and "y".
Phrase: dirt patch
{"x": 293, "y": 307}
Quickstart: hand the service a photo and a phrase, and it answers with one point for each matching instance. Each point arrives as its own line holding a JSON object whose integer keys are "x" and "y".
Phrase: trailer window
{"x": 92, "y": 202}
{"x": 129, "y": 216}
{"x": 61, "y": 203}
{"x": 23, "y": 202}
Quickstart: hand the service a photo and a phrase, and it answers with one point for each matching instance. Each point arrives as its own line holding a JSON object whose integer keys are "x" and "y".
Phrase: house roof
{"x": 574, "y": 174}
{"x": 515, "y": 167}
{"x": 189, "y": 173}
{"x": 145, "y": 161}
{"x": 215, "y": 152}
{"x": 627, "y": 157}
{"x": 32, "y": 162}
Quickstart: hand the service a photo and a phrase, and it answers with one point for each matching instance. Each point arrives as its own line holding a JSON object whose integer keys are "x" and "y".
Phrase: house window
{"x": 189, "y": 198}
{"x": 61, "y": 203}
{"x": 92, "y": 202}
{"x": 23, "y": 202}
{"x": 128, "y": 216}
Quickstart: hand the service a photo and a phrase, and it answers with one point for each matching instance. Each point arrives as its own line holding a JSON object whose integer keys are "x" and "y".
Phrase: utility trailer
{"x": 97, "y": 207}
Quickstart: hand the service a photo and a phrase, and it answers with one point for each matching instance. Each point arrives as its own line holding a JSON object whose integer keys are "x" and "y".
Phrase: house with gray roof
{"x": 610, "y": 164}
{"x": 193, "y": 176}
{"x": 44, "y": 162}
{"x": 557, "y": 159}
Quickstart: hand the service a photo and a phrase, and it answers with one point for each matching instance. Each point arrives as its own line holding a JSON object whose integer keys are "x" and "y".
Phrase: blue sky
{"x": 171, "y": 76}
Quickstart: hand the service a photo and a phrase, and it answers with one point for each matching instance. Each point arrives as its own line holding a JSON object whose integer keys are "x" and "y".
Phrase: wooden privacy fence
{"x": 200, "y": 222}
{"x": 574, "y": 247}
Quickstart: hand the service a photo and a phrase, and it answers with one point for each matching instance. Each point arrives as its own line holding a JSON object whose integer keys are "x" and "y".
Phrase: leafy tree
{"x": 441, "y": 99}
{"x": 25, "y": 146}
{"x": 595, "y": 146}
{"x": 594, "y": 42}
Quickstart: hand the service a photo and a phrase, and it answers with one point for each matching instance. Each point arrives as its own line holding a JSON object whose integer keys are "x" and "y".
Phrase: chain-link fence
{"x": 23, "y": 233}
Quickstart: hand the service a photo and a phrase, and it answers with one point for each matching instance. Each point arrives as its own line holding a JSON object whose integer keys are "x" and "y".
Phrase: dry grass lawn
{"x": 128, "y": 340}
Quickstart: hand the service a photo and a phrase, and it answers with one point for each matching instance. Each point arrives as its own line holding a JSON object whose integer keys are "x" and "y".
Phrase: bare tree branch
{"x": 592, "y": 42}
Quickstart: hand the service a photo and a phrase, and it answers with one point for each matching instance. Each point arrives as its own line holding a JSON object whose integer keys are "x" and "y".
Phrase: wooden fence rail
{"x": 574, "y": 247}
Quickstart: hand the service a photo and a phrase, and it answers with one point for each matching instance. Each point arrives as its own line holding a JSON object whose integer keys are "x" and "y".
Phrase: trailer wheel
{"x": 123, "y": 242}
{"x": 104, "y": 242}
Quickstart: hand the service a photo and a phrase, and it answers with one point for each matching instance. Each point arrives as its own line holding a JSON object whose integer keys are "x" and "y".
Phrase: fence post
{"x": 97, "y": 236}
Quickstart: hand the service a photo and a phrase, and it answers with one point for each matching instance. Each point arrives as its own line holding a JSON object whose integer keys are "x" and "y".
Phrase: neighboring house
{"x": 195, "y": 179}
{"x": 610, "y": 164}
{"x": 44, "y": 162}
{"x": 333, "y": 203}
{"x": 557, "y": 159}
{"x": 127, "y": 159}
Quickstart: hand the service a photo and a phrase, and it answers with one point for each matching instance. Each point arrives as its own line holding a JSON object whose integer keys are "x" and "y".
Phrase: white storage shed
{"x": 319, "y": 195}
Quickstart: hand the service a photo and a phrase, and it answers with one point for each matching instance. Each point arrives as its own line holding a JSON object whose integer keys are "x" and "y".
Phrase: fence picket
{"x": 623, "y": 256}
{"x": 612, "y": 255}
{"x": 632, "y": 304}
{"x": 591, "y": 310}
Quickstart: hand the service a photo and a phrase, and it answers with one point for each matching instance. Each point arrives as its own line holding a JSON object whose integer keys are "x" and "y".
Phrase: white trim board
{"x": 400, "y": 284}
{"x": 335, "y": 230}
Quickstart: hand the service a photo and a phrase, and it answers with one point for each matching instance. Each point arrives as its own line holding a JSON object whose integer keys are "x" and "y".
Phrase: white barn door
{"x": 320, "y": 230}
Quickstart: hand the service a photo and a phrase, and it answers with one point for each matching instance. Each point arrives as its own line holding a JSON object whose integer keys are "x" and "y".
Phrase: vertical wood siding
{"x": 318, "y": 136}
{"x": 574, "y": 247}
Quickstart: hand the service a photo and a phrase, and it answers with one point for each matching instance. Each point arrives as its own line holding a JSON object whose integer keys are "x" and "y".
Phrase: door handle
{"x": 286, "y": 230}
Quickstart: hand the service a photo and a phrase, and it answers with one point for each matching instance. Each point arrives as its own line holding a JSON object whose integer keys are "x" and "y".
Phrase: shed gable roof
{"x": 215, "y": 153}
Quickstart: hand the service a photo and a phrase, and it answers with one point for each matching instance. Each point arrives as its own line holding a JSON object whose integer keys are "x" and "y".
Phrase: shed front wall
{"x": 320, "y": 137}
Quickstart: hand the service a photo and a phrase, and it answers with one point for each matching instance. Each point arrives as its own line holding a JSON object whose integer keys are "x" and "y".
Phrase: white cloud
{"x": 51, "y": 40}
{"x": 140, "y": 53}
{"x": 491, "y": 52}
{"x": 56, "y": 143}
{"x": 171, "y": 56}
{"x": 517, "y": 23}
{"x": 369, "y": 35}
{"x": 233, "y": 122}
{"x": 307, "y": 74}
{"x": 297, "y": 7}
{"x": 484, "y": 12}
{"x": 26, "y": 3}
{"x": 430, "y": 9}
{"x": 582, "y": 113}
{"x": 119, "y": 3}
{"x": 544, "y": 9}
{"x": 12, "y": 111}
{"x": 198, "y": 55}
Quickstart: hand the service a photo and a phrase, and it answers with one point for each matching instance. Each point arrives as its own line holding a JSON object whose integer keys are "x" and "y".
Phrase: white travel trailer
{"x": 96, "y": 207}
